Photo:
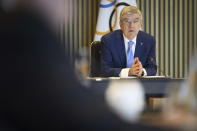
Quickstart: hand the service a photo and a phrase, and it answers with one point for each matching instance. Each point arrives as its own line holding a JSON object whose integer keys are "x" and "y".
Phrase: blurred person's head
{"x": 130, "y": 21}
{"x": 126, "y": 99}
{"x": 51, "y": 10}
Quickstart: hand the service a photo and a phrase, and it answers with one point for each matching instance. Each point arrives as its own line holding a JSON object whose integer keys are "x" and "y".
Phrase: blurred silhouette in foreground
{"x": 39, "y": 88}
{"x": 179, "y": 112}
{"x": 181, "y": 109}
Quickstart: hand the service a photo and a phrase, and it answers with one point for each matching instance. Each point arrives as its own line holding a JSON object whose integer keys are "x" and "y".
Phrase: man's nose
{"x": 131, "y": 24}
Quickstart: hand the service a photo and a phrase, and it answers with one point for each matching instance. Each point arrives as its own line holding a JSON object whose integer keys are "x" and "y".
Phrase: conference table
{"x": 157, "y": 86}
{"x": 154, "y": 86}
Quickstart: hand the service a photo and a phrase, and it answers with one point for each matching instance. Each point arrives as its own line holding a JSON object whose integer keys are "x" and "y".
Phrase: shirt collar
{"x": 133, "y": 40}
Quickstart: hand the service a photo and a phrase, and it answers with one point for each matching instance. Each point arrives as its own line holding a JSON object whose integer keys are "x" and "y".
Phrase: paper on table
{"x": 114, "y": 78}
{"x": 154, "y": 77}
{"x": 134, "y": 77}
{"x": 129, "y": 77}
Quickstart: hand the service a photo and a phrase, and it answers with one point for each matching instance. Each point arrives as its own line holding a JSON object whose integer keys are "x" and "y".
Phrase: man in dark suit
{"x": 129, "y": 51}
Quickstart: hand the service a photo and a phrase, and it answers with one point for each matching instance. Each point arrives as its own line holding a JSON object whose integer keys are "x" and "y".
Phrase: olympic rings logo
{"x": 111, "y": 27}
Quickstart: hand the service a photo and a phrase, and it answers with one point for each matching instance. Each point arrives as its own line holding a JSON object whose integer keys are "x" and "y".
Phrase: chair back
{"x": 95, "y": 59}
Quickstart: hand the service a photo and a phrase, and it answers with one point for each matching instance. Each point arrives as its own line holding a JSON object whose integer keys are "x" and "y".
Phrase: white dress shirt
{"x": 125, "y": 71}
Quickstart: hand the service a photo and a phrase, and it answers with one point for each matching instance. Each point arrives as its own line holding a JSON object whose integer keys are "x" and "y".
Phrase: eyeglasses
{"x": 128, "y": 22}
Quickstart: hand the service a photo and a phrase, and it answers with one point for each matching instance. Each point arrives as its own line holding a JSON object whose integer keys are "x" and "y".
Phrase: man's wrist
{"x": 124, "y": 72}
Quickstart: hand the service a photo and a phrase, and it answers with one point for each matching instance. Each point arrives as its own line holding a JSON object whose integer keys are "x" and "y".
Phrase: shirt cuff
{"x": 124, "y": 72}
{"x": 145, "y": 73}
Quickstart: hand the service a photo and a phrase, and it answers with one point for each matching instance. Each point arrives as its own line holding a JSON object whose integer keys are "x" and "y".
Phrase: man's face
{"x": 130, "y": 25}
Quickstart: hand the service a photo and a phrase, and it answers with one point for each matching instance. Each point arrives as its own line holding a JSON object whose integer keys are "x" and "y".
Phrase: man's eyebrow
{"x": 129, "y": 19}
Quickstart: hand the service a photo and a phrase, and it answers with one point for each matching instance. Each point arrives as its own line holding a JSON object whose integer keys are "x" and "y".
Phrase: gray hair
{"x": 130, "y": 10}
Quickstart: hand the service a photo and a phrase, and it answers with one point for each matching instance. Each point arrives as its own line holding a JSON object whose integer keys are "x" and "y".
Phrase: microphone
{"x": 160, "y": 71}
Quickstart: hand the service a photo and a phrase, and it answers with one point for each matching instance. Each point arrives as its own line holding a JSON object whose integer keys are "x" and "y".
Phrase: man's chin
{"x": 131, "y": 36}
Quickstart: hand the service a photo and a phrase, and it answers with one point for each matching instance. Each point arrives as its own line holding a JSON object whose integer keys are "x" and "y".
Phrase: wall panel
{"x": 175, "y": 32}
{"x": 78, "y": 32}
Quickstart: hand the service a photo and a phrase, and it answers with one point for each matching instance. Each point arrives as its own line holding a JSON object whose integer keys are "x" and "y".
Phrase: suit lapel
{"x": 120, "y": 47}
{"x": 139, "y": 43}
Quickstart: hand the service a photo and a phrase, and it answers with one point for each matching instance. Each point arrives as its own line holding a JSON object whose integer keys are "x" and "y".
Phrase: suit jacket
{"x": 113, "y": 57}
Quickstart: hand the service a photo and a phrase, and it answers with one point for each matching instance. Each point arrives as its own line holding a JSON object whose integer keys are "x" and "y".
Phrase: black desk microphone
{"x": 159, "y": 69}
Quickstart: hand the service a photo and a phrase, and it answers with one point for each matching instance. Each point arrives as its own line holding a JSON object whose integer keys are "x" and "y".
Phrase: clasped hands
{"x": 136, "y": 68}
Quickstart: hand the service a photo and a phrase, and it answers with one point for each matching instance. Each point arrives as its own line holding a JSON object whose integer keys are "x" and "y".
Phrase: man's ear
{"x": 120, "y": 23}
{"x": 141, "y": 23}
